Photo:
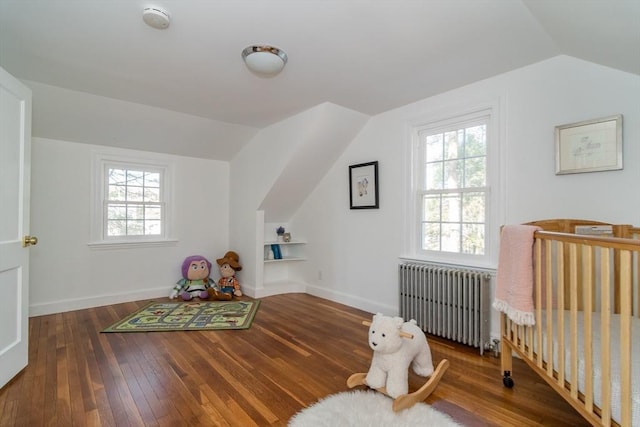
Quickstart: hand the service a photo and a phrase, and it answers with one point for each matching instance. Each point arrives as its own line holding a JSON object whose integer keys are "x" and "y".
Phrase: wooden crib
{"x": 586, "y": 339}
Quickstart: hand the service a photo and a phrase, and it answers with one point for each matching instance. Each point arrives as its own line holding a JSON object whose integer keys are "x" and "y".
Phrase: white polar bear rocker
{"x": 392, "y": 354}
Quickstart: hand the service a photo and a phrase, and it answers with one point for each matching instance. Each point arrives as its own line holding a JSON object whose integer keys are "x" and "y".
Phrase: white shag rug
{"x": 367, "y": 408}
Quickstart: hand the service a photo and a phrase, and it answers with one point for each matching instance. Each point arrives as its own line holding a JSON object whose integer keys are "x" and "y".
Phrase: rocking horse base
{"x": 406, "y": 400}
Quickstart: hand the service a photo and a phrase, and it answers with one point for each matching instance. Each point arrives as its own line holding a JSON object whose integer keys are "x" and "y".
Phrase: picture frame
{"x": 363, "y": 186}
{"x": 589, "y": 146}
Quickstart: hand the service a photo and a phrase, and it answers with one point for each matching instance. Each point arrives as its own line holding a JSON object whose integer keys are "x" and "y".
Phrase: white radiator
{"x": 448, "y": 302}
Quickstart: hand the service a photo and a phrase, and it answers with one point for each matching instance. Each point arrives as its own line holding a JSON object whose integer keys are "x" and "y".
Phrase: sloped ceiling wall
{"x": 329, "y": 131}
{"x": 70, "y": 115}
{"x": 603, "y": 32}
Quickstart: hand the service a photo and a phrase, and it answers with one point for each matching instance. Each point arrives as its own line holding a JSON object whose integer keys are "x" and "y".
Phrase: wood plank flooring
{"x": 300, "y": 348}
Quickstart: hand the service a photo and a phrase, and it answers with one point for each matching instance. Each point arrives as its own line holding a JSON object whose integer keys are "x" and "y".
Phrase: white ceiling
{"x": 366, "y": 55}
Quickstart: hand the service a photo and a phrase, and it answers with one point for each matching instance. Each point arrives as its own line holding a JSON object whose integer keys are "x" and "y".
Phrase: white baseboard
{"x": 62, "y": 306}
{"x": 287, "y": 287}
{"x": 352, "y": 301}
{"x": 275, "y": 289}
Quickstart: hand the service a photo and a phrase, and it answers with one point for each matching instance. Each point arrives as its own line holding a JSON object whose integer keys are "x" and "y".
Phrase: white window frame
{"x": 414, "y": 155}
{"x": 102, "y": 161}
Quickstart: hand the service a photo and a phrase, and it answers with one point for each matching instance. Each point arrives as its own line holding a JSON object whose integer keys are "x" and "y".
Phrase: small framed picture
{"x": 589, "y": 146}
{"x": 363, "y": 186}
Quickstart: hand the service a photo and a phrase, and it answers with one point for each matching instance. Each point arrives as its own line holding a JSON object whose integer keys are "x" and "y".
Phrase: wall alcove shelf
{"x": 291, "y": 251}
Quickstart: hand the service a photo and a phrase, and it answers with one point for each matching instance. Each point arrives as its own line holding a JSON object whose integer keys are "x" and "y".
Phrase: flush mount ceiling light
{"x": 264, "y": 60}
{"x": 155, "y": 17}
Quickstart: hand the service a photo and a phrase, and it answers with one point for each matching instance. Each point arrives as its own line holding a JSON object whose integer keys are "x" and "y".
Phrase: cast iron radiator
{"x": 446, "y": 301}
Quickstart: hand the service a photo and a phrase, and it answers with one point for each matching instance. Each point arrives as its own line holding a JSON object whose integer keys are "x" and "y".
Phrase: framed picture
{"x": 589, "y": 146}
{"x": 363, "y": 186}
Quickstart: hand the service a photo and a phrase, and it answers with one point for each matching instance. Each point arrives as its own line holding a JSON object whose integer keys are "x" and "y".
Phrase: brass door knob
{"x": 29, "y": 241}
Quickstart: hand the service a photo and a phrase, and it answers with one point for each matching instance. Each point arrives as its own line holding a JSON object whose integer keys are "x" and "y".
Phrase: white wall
{"x": 66, "y": 274}
{"x": 253, "y": 172}
{"x": 356, "y": 252}
{"x": 276, "y": 170}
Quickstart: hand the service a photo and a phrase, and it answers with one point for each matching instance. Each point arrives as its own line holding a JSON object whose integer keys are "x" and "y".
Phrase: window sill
{"x": 132, "y": 244}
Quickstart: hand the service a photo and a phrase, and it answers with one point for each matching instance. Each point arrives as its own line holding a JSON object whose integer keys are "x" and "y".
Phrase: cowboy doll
{"x": 229, "y": 265}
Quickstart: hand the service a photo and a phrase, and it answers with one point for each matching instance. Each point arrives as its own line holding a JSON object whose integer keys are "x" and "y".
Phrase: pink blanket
{"x": 514, "y": 288}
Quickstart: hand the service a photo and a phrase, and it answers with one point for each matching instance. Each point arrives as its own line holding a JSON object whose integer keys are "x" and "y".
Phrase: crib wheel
{"x": 507, "y": 380}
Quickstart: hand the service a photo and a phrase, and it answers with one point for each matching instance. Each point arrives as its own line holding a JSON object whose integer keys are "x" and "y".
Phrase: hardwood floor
{"x": 299, "y": 349}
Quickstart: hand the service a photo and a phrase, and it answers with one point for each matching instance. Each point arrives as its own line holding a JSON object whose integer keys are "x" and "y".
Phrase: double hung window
{"x": 134, "y": 203}
{"x": 451, "y": 192}
{"x": 131, "y": 200}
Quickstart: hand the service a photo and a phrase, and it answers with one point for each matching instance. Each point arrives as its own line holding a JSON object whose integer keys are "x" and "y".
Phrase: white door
{"x": 15, "y": 150}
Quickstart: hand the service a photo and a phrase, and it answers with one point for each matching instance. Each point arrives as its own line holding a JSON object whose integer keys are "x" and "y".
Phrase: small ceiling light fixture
{"x": 155, "y": 17}
{"x": 264, "y": 60}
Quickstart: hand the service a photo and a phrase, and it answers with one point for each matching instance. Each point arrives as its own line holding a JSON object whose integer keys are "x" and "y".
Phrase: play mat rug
{"x": 189, "y": 316}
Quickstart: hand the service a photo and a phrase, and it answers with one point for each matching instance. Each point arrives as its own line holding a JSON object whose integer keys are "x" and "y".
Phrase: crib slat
{"x": 605, "y": 339}
{"x": 588, "y": 272}
{"x": 625, "y": 336}
{"x": 560, "y": 320}
{"x": 549, "y": 331}
{"x": 538, "y": 287}
{"x": 573, "y": 321}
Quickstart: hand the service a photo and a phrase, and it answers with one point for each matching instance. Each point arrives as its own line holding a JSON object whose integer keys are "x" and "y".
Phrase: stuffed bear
{"x": 392, "y": 354}
{"x": 228, "y": 265}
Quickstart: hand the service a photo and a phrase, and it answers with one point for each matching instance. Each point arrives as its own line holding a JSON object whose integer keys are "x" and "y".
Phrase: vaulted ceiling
{"x": 365, "y": 55}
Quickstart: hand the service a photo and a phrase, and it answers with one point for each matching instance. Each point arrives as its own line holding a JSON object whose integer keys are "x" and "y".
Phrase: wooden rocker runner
{"x": 407, "y": 400}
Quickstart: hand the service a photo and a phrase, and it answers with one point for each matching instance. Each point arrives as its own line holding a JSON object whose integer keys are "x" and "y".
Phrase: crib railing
{"x": 581, "y": 280}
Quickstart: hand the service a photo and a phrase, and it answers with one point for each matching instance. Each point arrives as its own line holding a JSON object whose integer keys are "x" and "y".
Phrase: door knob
{"x": 29, "y": 241}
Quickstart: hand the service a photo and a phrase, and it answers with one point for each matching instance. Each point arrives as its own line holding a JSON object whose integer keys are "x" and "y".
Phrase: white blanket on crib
{"x": 615, "y": 359}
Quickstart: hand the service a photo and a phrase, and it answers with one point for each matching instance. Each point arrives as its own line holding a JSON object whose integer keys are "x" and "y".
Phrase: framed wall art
{"x": 363, "y": 186}
{"x": 589, "y": 146}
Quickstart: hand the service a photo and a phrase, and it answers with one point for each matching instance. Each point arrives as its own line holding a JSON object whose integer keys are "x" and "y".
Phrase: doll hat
{"x": 230, "y": 258}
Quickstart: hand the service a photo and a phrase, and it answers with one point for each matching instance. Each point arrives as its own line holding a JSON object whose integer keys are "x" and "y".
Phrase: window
{"x": 134, "y": 205}
{"x": 131, "y": 200}
{"x": 454, "y": 189}
{"x": 451, "y": 195}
